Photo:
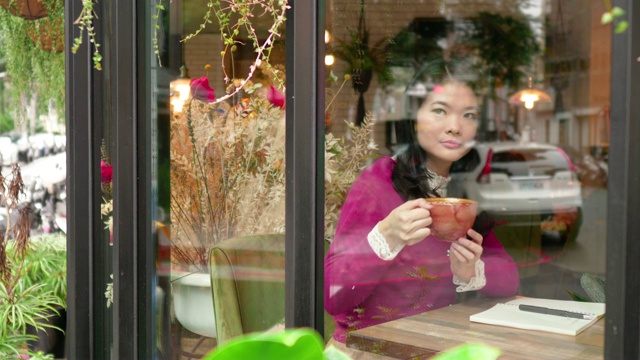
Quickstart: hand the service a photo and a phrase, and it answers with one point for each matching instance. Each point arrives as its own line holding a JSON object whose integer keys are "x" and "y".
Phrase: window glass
{"x": 220, "y": 171}
{"x": 505, "y": 103}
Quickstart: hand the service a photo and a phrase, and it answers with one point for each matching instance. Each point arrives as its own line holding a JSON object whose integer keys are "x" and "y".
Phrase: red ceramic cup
{"x": 452, "y": 217}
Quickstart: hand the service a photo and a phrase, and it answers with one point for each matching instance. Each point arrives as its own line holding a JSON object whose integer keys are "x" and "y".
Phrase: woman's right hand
{"x": 408, "y": 224}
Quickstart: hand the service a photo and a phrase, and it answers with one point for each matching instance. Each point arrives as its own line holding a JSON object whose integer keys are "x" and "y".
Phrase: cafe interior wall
{"x": 585, "y": 60}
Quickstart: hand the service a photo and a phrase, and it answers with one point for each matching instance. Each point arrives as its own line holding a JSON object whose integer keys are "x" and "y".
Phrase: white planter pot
{"x": 193, "y": 303}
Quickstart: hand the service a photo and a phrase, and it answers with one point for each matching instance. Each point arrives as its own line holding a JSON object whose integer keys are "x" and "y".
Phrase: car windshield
{"x": 528, "y": 162}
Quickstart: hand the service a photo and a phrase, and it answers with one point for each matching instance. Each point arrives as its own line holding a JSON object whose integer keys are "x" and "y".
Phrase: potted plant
{"x": 32, "y": 50}
{"x": 46, "y": 264}
{"x": 26, "y": 9}
{"x": 32, "y": 274}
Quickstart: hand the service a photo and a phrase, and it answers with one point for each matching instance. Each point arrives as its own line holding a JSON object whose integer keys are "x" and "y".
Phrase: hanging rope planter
{"x": 26, "y": 9}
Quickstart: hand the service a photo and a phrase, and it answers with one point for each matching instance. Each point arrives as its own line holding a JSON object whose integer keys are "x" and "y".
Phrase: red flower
{"x": 201, "y": 90}
{"x": 275, "y": 97}
{"x": 106, "y": 172}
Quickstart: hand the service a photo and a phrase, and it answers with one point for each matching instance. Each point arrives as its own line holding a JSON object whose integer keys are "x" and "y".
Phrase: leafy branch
{"x": 156, "y": 27}
{"x": 85, "y": 23}
{"x": 614, "y": 15}
{"x": 235, "y": 16}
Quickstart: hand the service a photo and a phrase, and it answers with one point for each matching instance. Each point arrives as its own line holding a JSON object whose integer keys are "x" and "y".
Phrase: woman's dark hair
{"x": 410, "y": 177}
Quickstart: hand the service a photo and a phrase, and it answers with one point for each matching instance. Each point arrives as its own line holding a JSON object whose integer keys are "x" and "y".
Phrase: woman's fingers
{"x": 408, "y": 223}
{"x": 418, "y": 236}
{"x": 461, "y": 253}
{"x": 475, "y": 236}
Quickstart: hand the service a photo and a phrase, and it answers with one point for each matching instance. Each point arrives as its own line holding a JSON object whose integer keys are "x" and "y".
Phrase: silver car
{"x": 537, "y": 181}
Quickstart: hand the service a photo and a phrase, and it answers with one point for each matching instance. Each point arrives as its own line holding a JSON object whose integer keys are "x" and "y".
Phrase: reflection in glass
{"x": 220, "y": 172}
{"x": 538, "y": 167}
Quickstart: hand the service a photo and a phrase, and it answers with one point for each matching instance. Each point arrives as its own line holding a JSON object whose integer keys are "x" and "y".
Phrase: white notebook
{"x": 509, "y": 314}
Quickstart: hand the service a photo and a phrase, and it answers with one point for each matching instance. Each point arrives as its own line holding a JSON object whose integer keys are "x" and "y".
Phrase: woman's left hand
{"x": 463, "y": 255}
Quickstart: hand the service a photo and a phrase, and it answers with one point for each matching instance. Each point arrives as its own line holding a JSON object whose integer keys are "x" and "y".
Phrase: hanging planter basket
{"x": 27, "y": 9}
{"x": 48, "y": 34}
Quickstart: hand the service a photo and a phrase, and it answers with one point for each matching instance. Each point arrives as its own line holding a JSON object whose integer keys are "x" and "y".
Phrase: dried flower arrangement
{"x": 228, "y": 169}
{"x": 227, "y": 153}
{"x": 345, "y": 157}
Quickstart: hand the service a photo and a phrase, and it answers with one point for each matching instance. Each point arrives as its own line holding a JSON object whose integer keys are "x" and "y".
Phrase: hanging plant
{"x": 26, "y": 9}
{"x": 34, "y": 60}
{"x": 85, "y": 24}
{"x": 48, "y": 34}
{"x": 363, "y": 60}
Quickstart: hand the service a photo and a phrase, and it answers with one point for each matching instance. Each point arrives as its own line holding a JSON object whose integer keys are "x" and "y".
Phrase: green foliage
{"x": 361, "y": 56}
{"x": 300, "y": 343}
{"x": 470, "y": 351}
{"x": 46, "y": 265}
{"x": 306, "y": 344}
{"x": 595, "y": 287}
{"x": 614, "y": 16}
{"x": 235, "y": 20}
{"x": 33, "y": 292}
{"x": 32, "y": 273}
{"x": 6, "y": 123}
{"x": 504, "y": 46}
{"x": 156, "y": 28}
{"x": 33, "y": 70}
{"x": 85, "y": 23}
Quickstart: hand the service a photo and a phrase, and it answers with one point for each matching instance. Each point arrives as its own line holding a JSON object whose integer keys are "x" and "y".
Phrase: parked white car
{"x": 511, "y": 178}
{"x": 8, "y": 151}
{"x": 60, "y": 142}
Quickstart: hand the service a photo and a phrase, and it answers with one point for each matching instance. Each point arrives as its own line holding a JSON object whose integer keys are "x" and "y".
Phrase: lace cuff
{"x": 476, "y": 283}
{"x": 381, "y": 247}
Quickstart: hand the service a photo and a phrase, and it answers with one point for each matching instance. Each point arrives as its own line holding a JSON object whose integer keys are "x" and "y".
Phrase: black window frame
{"x": 623, "y": 208}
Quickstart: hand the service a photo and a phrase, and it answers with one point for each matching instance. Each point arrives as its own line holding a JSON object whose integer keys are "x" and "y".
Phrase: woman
{"x": 383, "y": 263}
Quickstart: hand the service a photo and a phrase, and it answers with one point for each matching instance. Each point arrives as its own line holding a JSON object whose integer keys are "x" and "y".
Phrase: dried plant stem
{"x": 346, "y": 78}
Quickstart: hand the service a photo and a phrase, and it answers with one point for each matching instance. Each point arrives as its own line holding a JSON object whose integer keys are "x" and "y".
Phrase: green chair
{"x": 247, "y": 284}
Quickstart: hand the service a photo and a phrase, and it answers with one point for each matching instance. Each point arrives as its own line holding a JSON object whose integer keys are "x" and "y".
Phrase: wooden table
{"x": 424, "y": 335}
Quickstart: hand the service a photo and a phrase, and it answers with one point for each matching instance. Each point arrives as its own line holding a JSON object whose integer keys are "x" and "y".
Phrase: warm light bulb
{"x": 327, "y": 36}
{"x": 177, "y": 104}
{"x": 329, "y": 60}
{"x": 183, "y": 90}
{"x": 529, "y": 100}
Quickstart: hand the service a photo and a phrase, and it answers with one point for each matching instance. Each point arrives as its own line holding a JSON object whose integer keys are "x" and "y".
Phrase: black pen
{"x": 547, "y": 311}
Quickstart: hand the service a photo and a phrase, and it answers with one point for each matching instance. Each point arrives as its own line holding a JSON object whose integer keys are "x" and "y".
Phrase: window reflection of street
{"x": 45, "y": 192}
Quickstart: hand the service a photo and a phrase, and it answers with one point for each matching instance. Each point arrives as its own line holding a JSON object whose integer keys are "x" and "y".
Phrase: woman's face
{"x": 447, "y": 124}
